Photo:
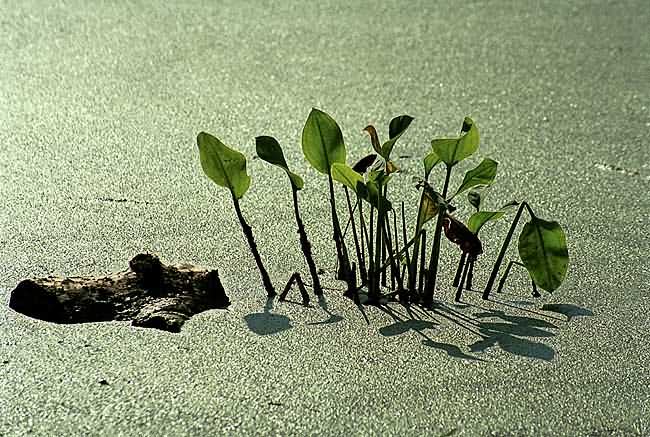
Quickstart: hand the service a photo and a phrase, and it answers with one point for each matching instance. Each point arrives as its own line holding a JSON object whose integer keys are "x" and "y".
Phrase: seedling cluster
{"x": 384, "y": 263}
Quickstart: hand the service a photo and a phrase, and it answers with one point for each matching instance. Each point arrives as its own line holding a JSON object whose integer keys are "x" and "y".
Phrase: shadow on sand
{"x": 515, "y": 334}
{"x": 267, "y": 323}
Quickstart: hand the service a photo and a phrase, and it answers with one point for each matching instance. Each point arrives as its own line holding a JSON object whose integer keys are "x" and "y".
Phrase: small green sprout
{"x": 542, "y": 249}
{"x": 322, "y": 145}
{"x": 227, "y": 168}
{"x": 269, "y": 150}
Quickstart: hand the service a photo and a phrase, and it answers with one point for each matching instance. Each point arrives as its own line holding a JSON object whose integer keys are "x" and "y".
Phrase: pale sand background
{"x": 103, "y": 101}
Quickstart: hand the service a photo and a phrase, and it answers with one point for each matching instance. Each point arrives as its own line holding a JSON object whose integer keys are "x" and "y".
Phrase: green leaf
{"x": 347, "y": 176}
{"x": 543, "y": 250}
{"x": 474, "y": 198}
{"x": 322, "y": 141}
{"x": 369, "y": 192}
{"x": 430, "y": 161}
{"x": 396, "y": 128}
{"x": 225, "y": 166}
{"x": 452, "y": 151}
{"x": 478, "y": 219}
{"x": 481, "y": 176}
{"x": 269, "y": 150}
{"x": 372, "y": 196}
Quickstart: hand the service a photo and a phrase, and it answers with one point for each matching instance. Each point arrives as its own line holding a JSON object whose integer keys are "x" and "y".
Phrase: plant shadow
{"x": 267, "y": 323}
{"x": 512, "y": 333}
{"x": 332, "y": 318}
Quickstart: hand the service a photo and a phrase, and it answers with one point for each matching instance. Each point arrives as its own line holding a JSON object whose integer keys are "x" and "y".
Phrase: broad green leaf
{"x": 225, "y": 166}
{"x": 396, "y": 128}
{"x": 478, "y": 219}
{"x": 452, "y": 151}
{"x": 345, "y": 175}
{"x": 481, "y": 176}
{"x": 322, "y": 141}
{"x": 269, "y": 150}
{"x": 543, "y": 250}
{"x": 430, "y": 161}
{"x": 474, "y": 198}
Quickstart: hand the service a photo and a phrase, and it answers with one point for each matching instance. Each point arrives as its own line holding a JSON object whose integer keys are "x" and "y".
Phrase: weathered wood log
{"x": 150, "y": 294}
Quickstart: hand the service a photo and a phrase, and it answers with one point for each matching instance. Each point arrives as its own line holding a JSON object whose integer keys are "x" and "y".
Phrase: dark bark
{"x": 150, "y": 294}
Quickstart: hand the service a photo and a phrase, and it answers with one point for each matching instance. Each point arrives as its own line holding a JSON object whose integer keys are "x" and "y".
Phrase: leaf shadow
{"x": 510, "y": 334}
{"x": 567, "y": 309}
{"x": 267, "y": 323}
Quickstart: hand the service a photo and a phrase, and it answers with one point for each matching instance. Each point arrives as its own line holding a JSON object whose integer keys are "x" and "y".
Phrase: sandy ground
{"x": 101, "y": 104}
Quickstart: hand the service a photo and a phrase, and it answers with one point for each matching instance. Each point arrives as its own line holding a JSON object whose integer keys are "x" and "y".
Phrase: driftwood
{"x": 150, "y": 294}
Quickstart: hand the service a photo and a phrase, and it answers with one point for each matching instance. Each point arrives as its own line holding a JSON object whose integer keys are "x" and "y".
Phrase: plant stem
{"x": 423, "y": 248}
{"x": 400, "y": 277}
{"x": 374, "y": 291}
{"x": 341, "y": 253}
{"x": 459, "y": 270}
{"x": 502, "y": 252}
{"x": 459, "y": 291}
{"x": 470, "y": 275}
{"x": 435, "y": 249}
{"x": 406, "y": 254}
{"x": 360, "y": 260}
{"x": 394, "y": 263}
{"x": 305, "y": 245}
{"x": 248, "y": 232}
{"x": 364, "y": 234}
{"x": 413, "y": 263}
{"x": 388, "y": 242}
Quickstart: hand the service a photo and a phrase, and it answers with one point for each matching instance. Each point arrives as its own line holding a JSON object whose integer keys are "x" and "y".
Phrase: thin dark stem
{"x": 423, "y": 248}
{"x": 506, "y": 273}
{"x": 459, "y": 270}
{"x": 364, "y": 233}
{"x": 470, "y": 275}
{"x": 374, "y": 290}
{"x": 396, "y": 247}
{"x": 287, "y": 287}
{"x": 435, "y": 249}
{"x": 362, "y": 267}
{"x": 371, "y": 249}
{"x": 413, "y": 262}
{"x": 248, "y": 232}
{"x": 502, "y": 252}
{"x": 305, "y": 245}
{"x": 341, "y": 253}
{"x": 459, "y": 290}
{"x": 388, "y": 243}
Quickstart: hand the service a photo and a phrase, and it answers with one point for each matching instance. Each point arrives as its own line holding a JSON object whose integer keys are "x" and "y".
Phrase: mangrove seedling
{"x": 269, "y": 150}
{"x": 374, "y": 191}
{"x": 227, "y": 168}
{"x": 542, "y": 249}
{"x": 474, "y": 225}
{"x": 451, "y": 152}
{"x": 322, "y": 145}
